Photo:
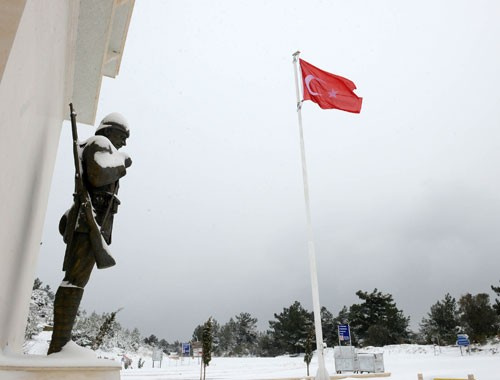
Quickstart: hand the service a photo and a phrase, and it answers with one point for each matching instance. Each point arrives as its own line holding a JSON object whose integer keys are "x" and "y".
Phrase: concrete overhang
{"x": 11, "y": 12}
{"x": 99, "y": 43}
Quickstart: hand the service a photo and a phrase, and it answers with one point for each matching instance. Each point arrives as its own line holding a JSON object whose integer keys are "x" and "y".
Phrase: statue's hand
{"x": 128, "y": 162}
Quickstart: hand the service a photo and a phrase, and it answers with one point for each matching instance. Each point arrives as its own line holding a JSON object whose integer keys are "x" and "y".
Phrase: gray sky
{"x": 405, "y": 196}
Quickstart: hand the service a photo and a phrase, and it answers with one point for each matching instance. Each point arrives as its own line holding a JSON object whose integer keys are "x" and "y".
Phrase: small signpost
{"x": 463, "y": 341}
{"x": 186, "y": 349}
{"x": 157, "y": 356}
{"x": 197, "y": 350}
{"x": 344, "y": 334}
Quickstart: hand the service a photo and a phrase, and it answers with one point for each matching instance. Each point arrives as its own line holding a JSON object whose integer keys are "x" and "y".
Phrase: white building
{"x": 52, "y": 52}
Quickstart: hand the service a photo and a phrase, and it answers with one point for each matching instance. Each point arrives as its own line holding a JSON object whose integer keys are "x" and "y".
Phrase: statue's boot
{"x": 66, "y": 306}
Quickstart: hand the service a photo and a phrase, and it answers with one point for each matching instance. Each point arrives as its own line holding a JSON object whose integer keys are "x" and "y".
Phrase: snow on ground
{"x": 404, "y": 362}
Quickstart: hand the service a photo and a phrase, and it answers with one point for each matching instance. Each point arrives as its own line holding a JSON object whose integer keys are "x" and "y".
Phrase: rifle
{"x": 82, "y": 207}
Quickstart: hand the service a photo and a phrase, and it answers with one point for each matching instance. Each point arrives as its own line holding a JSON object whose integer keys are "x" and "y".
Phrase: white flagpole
{"x": 322, "y": 373}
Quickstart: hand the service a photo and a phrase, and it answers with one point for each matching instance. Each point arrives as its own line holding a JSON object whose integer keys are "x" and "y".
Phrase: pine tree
{"x": 152, "y": 340}
{"x": 163, "y": 345}
{"x": 266, "y": 345}
{"x": 37, "y": 284}
{"x": 135, "y": 339}
{"x": 291, "y": 328}
{"x": 215, "y": 337}
{"x": 377, "y": 321}
{"x": 197, "y": 333}
{"x": 342, "y": 317}
{"x": 40, "y": 309}
{"x": 478, "y": 319}
{"x": 107, "y": 329}
{"x": 207, "y": 345}
{"x": 227, "y": 338}
{"x": 328, "y": 327}
{"x": 220, "y": 335}
{"x": 441, "y": 323}
{"x": 308, "y": 348}
{"x": 246, "y": 334}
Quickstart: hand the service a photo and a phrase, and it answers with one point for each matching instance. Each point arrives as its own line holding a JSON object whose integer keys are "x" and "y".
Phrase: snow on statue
{"x": 87, "y": 226}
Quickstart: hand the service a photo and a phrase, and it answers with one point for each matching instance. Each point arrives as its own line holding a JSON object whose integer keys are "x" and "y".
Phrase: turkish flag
{"x": 329, "y": 90}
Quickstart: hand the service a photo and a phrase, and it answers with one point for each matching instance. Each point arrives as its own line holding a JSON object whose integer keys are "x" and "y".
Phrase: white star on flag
{"x": 332, "y": 93}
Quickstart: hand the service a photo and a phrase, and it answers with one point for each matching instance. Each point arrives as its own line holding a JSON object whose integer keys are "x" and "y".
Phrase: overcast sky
{"x": 405, "y": 197}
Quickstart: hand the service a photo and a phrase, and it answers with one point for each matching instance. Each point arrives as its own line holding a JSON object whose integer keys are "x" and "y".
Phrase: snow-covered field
{"x": 404, "y": 362}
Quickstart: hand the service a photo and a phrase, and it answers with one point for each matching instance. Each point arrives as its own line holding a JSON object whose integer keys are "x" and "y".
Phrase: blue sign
{"x": 186, "y": 348}
{"x": 344, "y": 333}
{"x": 463, "y": 340}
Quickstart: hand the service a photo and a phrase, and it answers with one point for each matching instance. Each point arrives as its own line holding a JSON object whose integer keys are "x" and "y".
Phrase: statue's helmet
{"x": 116, "y": 121}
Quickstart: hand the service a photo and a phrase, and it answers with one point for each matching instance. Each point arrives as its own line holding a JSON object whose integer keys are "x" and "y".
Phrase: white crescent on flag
{"x": 308, "y": 80}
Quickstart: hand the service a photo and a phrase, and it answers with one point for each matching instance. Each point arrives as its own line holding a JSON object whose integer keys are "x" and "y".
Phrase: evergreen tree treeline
{"x": 375, "y": 320}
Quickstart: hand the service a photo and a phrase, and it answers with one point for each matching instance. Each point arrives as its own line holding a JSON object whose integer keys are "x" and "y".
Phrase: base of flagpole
{"x": 322, "y": 374}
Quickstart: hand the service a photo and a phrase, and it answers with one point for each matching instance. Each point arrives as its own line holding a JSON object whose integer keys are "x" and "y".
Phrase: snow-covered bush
{"x": 41, "y": 309}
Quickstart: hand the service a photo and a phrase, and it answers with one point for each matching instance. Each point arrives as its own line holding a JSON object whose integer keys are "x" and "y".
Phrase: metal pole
{"x": 322, "y": 373}
{"x": 350, "y": 335}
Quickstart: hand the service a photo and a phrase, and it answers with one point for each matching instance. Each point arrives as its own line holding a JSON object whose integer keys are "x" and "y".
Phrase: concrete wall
{"x": 33, "y": 95}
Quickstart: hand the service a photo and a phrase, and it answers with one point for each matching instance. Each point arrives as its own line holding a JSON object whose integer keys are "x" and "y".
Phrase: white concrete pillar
{"x": 35, "y": 47}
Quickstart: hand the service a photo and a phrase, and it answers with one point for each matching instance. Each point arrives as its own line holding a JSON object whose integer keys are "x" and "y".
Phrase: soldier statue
{"x": 86, "y": 227}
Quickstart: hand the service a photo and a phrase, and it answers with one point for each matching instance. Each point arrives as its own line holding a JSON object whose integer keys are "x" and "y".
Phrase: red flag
{"x": 329, "y": 90}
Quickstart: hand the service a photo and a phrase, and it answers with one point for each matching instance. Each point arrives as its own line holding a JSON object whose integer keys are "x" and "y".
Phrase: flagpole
{"x": 322, "y": 373}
